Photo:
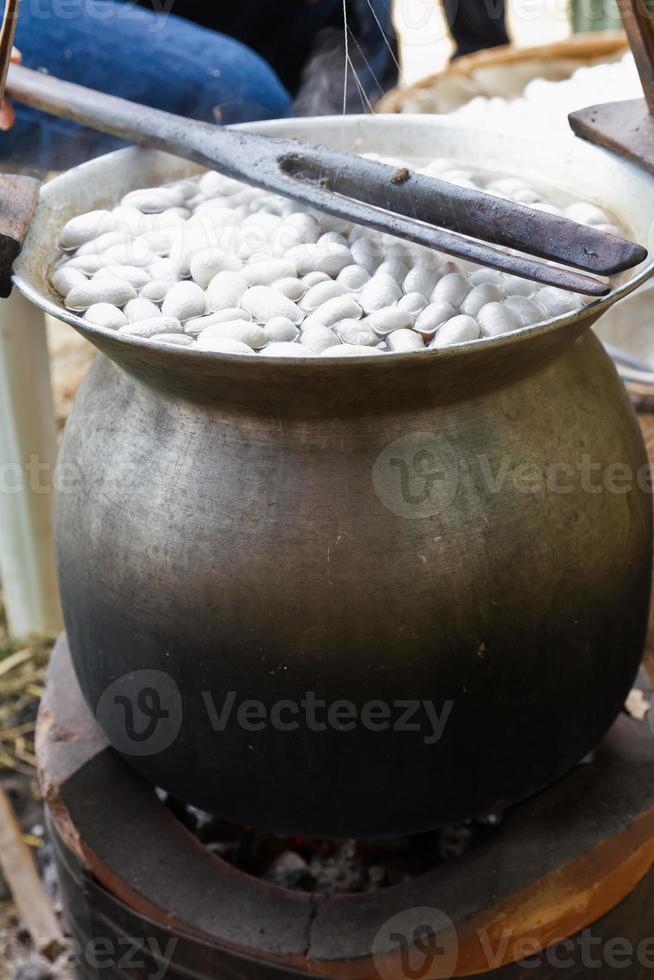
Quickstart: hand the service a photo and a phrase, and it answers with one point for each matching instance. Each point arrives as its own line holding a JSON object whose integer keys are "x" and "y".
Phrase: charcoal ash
{"x": 329, "y": 867}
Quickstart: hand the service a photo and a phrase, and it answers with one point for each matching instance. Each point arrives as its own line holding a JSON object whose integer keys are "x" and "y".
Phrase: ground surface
{"x": 22, "y": 672}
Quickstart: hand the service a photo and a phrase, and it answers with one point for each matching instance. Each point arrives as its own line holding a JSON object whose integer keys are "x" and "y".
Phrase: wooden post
{"x": 27, "y": 461}
{"x": 627, "y": 128}
{"x": 638, "y": 23}
{"x": 32, "y": 903}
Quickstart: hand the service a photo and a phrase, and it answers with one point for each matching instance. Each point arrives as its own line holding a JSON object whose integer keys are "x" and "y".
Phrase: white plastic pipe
{"x": 27, "y": 471}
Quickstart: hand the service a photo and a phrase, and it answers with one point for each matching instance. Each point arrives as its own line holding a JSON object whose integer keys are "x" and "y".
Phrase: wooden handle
{"x": 639, "y": 26}
{"x": 31, "y": 900}
{"x": 7, "y": 33}
{"x": 18, "y": 196}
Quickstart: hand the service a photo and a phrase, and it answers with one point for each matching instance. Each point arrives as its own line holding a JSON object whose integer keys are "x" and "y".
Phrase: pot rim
{"x": 588, "y": 313}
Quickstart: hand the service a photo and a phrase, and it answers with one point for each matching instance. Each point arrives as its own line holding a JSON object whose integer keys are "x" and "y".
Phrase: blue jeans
{"x": 157, "y": 59}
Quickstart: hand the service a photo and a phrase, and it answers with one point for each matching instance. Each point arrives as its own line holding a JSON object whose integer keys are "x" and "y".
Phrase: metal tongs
{"x": 431, "y": 212}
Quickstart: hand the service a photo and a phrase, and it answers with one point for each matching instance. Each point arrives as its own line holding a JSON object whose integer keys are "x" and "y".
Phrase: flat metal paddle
{"x": 431, "y": 212}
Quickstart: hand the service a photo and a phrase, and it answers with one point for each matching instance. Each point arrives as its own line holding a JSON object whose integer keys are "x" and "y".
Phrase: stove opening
{"x": 329, "y": 867}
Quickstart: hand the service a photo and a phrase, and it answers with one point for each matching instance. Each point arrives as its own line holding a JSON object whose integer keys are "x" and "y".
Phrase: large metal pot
{"x": 470, "y": 529}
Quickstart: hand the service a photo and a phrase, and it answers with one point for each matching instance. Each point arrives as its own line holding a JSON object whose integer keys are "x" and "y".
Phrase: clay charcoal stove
{"x": 209, "y": 899}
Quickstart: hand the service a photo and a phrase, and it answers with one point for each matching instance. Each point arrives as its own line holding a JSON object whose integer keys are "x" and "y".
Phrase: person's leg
{"x": 476, "y": 24}
{"x": 158, "y": 59}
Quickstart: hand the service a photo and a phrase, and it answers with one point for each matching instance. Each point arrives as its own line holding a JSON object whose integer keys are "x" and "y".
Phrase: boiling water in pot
{"x": 215, "y": 265}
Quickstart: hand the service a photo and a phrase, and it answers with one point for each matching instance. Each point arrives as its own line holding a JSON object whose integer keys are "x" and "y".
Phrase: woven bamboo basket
{"x": 503, "y": 71}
